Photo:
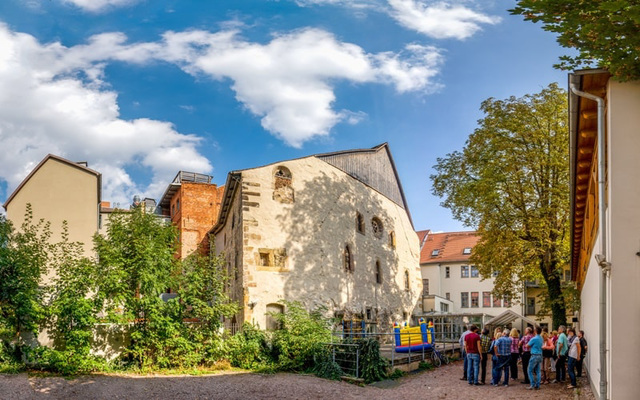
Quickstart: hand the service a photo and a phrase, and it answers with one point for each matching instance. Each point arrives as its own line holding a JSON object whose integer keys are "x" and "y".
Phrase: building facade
{"x": 192, "y": 203}
{"x": 330, "y": 230}
{"x": 60, "y": 190}
{"x": 605, "y": 225}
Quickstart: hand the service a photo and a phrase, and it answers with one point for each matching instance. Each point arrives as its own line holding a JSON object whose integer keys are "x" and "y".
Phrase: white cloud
{"x": 96, "y": 6}
{"x": 53, "y": 101}
{"x": 439, "y": 20}
{"x": 289, "y": 81}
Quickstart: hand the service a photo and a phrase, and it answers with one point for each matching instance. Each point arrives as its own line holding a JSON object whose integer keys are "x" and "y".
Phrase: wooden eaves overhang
{"x": 583, "y": 168}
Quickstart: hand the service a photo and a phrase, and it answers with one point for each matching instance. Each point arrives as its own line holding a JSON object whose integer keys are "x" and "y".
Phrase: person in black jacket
{"x": 583, "y": 345}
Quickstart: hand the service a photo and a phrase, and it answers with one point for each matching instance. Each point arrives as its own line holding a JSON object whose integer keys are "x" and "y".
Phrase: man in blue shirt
{"x": 502, "y": 348}
{"x": 535, "y": 344}
{"x": 562, "y": 346}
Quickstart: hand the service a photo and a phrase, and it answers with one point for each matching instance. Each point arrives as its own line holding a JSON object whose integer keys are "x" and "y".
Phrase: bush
{"x": 373, "y": 366}
{"x": 301, "y": 339}
{"x": 248, "y": 348}
{"x": 327, "y": 368}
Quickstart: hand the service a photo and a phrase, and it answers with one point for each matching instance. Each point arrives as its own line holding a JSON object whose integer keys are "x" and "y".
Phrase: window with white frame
{"x": 464, "y": 271}
{"x": 464, "y": 299}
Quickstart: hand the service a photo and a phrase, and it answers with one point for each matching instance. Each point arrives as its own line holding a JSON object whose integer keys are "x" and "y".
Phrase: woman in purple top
{"x": 515, "y": 353}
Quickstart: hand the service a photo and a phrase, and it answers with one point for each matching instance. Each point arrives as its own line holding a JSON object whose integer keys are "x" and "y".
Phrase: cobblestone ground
{"x": 442, "y": 383}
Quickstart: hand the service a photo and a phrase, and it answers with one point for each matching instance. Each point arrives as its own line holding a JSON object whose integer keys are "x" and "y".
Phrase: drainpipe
{"x": 601, "y": 258}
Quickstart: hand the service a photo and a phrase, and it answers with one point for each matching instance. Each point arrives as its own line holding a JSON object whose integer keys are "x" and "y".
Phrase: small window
{"x": 497, "y": 301}
{"x": 447, "y": 296}
{"x": 447, "y": 272}
{"x": 406, "y": 280}
{"x": 435, "y": 252}
{"x": 444, "y": 307}
{"x": 368, "y": 314}
{"x": 177, "y": 205}
{"x": 475, "y": 299}
{"x": 348, "y": 261}
{"x": 404, "y": 315}
{"x": 467, "y": 250}
{"x": 425, "y": 287}
{"x": 378, "y": 273}
{"x": 506, "y": 301}
{"x": 376, "y": 227}
{"x": 392, "y": 240}
{"x": 474, "y": 271}
{"x": 464, "y": 300}
{"x": 359, "y": 223}
{"x": 486, "y": 299}
{"x": 265, "y": 259}
{"x": 464, "y": 271}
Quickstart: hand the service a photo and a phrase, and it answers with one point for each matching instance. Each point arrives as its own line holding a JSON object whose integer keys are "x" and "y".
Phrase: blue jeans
{"x": 504, "y": 363}
{"x": 464, "y": 367}
{"x": 534, "y": 368}
{"x": 494, "y": 370}
{"x": 473, "y": 364}
{"x": 572, "y": 370}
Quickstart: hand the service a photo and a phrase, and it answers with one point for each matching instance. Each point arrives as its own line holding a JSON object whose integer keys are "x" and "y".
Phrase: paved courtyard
{"x": 442, "y": 383}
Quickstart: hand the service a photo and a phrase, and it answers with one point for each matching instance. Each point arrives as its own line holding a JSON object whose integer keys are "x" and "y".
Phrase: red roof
{"x": 449, "y": 245}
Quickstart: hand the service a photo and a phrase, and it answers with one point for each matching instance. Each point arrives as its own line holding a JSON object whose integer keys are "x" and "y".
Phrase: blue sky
{"x": 141, "y": 89}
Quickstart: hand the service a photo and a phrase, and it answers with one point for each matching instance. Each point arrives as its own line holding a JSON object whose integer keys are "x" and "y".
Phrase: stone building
{"x": 329, "y": 230}
{"x": 192, "y": 203}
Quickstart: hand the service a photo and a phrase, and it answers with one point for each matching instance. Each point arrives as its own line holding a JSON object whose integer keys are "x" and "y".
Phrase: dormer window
{"x": 467, "y": 250}
{"x": 434, "y": 253}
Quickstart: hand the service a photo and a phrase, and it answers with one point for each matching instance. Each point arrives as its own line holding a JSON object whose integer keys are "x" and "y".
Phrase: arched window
{"x": 378, "y": 272}
{"x": 348, "y": 259}
{"x": 376, "y": 227}
{"x": 359, "y": 223}
{"x": 392, "y": 240}
{"x": 282, "y": 190}
{"x": 406, "y": 280}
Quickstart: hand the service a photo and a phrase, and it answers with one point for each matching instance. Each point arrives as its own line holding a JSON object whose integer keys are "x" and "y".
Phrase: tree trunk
{"x": 558, "y": 307}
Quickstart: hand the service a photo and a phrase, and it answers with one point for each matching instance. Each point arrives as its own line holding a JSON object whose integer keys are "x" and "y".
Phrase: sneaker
{"x": 529, "y": 387}
{"x": 505, "y": 385}
{"x": 571, "y": 387}
{"x": 464, "y": 378}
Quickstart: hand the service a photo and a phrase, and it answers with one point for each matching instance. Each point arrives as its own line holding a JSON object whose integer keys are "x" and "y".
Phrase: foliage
{"x": 249, "y": 348}
{"x": 425, "y": 366}
{"x": 605, "y": 32}
{"x": 23, "y": 260}
{"x": 511, "y": 182}
{"x": 137, "y": 264}
{"x": 326, "y": 368}
{"x": 397, "y": 373}
{"x": 373, "y": 366}
{"x": 71, "y": 312}
{"x": 301, "y": 337}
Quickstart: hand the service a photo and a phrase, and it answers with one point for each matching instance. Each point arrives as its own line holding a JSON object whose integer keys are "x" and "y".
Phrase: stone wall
{"x": 294, "y": 244}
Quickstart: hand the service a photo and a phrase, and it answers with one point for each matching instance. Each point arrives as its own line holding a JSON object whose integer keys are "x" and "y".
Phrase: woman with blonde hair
{"x": 515, "y": 353}
{"x": 547, "y": 355}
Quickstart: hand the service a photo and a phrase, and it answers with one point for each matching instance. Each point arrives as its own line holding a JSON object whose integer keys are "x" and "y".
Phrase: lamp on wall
{"x": 252, "y": 304}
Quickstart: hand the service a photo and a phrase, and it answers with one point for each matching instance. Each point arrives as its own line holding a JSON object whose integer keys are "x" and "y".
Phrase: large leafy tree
{"x": 24, "y": 255}
{"x": 605, "y": 32}
{"x": 510, "y": 181}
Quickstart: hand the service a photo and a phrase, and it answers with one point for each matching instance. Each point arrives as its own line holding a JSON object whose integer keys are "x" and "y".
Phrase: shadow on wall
{"x": 321, "y": 225}
{"x": 109, "y": 340}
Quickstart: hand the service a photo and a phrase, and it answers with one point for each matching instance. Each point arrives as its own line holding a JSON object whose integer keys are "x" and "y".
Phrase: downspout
{"x": 601, "y": 258}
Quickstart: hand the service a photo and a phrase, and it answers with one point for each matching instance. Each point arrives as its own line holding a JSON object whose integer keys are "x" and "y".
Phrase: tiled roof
{"x": 450, "y": 246}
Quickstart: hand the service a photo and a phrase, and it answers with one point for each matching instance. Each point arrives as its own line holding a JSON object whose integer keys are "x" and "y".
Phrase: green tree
{"x": 605, "y": 32}
{"x": 510, "y": 181}
{"x": 24, "y": 255}
{"x": 136, "y": 264}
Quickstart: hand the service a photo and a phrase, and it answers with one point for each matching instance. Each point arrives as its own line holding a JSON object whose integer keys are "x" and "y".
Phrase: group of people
{"x": 541, "y": 353}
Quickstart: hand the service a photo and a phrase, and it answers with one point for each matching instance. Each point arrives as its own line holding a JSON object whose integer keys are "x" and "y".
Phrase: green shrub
{"x": 373, "y": 367}
{"x": 326, "y": 368}
{"x": 302, "y": 336}
{"x": 248, "y": 348}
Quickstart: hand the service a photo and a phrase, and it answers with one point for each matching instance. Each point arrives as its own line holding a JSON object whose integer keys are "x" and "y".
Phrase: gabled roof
{"x": 508, "y": 317}
{"x": 422, "y": 235}
{"x": 378, "y": 172}
{"x": 81, "y": 166}
{"x": 450, "y": 246}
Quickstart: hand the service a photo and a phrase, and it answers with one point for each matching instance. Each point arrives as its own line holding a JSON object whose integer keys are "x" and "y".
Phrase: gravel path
{"x": 442, "y": 383}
